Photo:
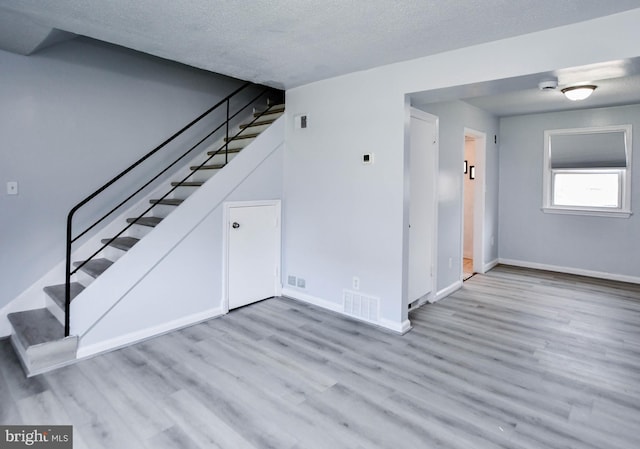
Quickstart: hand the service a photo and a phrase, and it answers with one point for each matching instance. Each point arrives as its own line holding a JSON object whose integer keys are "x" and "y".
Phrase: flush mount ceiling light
{"x": 576, "y": 93}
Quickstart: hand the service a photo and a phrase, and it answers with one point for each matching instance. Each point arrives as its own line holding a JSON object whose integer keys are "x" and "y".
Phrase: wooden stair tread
{"x": 242, "y": 136}
{"x": 94, "y": 267}
{"x": 257, "y": 123}
{"x": 151, "y": 222}
{"x": 167, "y": 202}
{"x": 208, "y": 167}
{"x": 57, "y": 292}
{"x": 123, "y": 243}
{"x": 187, "y": 184}
{"x": 275, "y": 109}
{"x": 221, "y": 151}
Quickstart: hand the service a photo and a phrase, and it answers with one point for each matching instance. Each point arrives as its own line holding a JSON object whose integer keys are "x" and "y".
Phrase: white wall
{"x": 343, "y": 219}
{"x": 605, "y": 246}
{"x": 71, "y": 117}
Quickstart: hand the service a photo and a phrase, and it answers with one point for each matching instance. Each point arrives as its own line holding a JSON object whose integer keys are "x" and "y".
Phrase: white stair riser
{"x": 220, "y": 158}
{"x": 138, "y": 231}
{"x": 112, "y": 253}
{"x": 83, "y": 278}
{"x": 55, "y": 310}
{"x": 203, "y": 175}
{"x": 266, "y": 117}
{"x": 162, "y": 211}
{"x": 256, "y": 128}
{"x": 239, "y": 143}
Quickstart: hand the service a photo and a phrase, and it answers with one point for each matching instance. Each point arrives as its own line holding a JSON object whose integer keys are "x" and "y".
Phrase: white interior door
{"x": 253, "y": 253}
{"x": 422, "y": 204}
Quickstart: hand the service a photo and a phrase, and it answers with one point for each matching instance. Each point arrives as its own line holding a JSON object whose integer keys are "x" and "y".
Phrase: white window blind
{"x": 591, "y": 150}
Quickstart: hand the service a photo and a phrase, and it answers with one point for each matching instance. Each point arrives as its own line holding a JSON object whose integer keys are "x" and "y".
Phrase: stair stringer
{"x": 164, "y": 281}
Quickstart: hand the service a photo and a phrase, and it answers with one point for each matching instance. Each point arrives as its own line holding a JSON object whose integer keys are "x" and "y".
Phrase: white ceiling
{"x": 287, "y": 43}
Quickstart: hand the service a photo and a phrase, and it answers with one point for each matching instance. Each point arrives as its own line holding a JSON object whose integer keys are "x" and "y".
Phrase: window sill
{"x": 588, "y": 212}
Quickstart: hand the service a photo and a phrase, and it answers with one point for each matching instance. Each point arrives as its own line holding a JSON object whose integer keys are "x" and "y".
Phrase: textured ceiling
{"x": 287, "y": 43}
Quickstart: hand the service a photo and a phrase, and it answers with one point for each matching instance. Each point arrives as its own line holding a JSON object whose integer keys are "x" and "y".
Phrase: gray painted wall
{"x": 71, "y": 117}
{"x": 454, "y": 117}
{"x": 605, "y": 245}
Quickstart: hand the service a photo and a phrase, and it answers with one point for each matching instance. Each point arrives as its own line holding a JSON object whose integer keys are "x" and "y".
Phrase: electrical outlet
{"x": 12, "y": 188}
{"x": 450, "y": 263}
{"x": 291, "y": 280}
{"x": 302, "y": 283}
{"x": 492, "y": 241}
{"x": 355, "y": 284}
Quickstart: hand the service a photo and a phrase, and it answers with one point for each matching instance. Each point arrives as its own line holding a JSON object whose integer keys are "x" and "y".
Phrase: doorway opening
{"x": 472, "y": 237}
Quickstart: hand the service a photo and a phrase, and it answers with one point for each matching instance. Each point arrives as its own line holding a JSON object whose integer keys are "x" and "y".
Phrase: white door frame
{"x": 226, "y": 224}
{"x": 478, "y": 200}
{"x": 414, "y": 112}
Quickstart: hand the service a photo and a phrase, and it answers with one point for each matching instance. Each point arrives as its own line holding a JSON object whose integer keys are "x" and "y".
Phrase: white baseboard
{"x": 93, "y": 349}
{"x": 571, "y": 270}
{"x": 489, "y": 266}
{"x": 397, "y": 327}
{"x": 304, "y": 297}
{"x": 447, "y": 291}
{"x": 394, "y": 326}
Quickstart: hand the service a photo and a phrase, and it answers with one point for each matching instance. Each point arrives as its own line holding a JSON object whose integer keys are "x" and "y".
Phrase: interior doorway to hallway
{"x": 472, "y": 237}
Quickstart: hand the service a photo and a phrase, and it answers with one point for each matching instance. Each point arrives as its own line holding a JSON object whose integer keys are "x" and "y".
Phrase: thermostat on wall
{"x": 301, "y": 121}
{"x": 367, "y": 158}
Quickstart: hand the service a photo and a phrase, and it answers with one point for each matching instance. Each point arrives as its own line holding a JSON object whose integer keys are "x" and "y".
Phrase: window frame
{"x": 548, "y": 206}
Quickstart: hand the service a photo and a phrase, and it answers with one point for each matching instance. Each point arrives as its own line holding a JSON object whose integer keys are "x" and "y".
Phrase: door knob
{"x": 235, "y": 225}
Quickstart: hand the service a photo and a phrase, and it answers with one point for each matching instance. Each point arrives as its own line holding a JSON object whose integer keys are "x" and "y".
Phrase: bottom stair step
{"x": 94, "y": 267}
{"x": 57, "y": 292}
{"x": 39, "y": 340}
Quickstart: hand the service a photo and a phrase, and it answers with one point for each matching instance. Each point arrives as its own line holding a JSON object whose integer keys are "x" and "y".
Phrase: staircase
{"x": 39, "y": 335}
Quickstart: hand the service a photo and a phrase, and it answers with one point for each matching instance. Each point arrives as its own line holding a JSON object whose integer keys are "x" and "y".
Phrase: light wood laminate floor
{"x": 515, "y": 359}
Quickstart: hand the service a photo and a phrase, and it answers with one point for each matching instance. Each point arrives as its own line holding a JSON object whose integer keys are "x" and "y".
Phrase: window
{"x": 587, "y": 171}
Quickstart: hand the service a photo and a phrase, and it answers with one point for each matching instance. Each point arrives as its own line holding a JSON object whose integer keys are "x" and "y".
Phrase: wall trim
{"x": 457, "y": 285}
{"x": 314, "y": 300}
{"x": 571, "y": 270}
{"x": 145, "y": 334}
{"x": 397, "y": 327}
{"x": 394, "y": 326}
{"x": 491, "y": 265}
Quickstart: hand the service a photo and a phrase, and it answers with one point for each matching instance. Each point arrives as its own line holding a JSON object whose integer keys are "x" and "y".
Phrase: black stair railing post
{"x": 67, "y": 280}
{"x": 226, "y": 140}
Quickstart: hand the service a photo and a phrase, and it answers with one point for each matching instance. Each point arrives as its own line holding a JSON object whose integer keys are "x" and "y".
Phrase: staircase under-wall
{"x": 39, "y": 335}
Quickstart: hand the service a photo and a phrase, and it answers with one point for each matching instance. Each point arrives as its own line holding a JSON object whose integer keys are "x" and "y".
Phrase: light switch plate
{"x": 12, "y": 188}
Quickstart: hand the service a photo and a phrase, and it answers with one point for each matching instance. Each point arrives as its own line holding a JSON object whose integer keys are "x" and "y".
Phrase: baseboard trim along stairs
{"x": 38, "y": 335}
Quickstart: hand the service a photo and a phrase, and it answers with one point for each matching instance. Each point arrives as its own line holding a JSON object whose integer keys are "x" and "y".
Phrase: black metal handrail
{"x": 71, "y": 239}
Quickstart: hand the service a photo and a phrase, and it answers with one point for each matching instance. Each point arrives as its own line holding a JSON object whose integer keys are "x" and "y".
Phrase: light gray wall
{"x": 454, "y": 117}
{"x": 343, "y": 219}
{"x": 71, "y": 117}
{"x": 605, "y": 245}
